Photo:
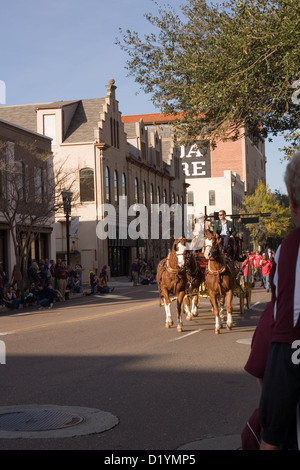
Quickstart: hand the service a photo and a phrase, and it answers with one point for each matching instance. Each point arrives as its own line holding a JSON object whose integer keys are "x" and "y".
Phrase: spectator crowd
{"x": 48, "y": 282}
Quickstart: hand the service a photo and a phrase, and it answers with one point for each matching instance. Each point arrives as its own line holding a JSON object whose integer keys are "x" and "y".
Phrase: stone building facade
{"x": 26, "y": 198}
{"x": 106, "y": 162}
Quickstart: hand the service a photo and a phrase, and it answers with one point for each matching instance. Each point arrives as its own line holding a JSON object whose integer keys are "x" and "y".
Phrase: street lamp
{"x": 67, "y": 200}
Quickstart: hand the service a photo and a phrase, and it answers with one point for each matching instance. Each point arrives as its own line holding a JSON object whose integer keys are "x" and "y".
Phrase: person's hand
{"x": 265, "y": 446}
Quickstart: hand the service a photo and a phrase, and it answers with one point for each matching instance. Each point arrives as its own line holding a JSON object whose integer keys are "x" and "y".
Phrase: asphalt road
{"x": 162, "y": 389}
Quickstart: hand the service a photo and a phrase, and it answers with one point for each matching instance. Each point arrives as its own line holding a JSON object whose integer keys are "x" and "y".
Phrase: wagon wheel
{"x": 249, "y": 288}
{"x": 248, "y": 295}
{"x": 240, "y": 292}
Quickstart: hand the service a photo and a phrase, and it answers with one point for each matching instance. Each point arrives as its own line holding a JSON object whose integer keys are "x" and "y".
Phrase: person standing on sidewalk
{"x": 266, "y": 266}
{"x": 60, "y": 273}
{"x": 135, "y": 272}
{"x": 281, "y": 384}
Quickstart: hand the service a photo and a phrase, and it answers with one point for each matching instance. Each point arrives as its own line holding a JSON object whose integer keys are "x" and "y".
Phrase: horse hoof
{"x": 179, "y": 329}
{"x": 228, "y": 327}
{"x": 189, "y": 318}
{"x": 217, "y": 331}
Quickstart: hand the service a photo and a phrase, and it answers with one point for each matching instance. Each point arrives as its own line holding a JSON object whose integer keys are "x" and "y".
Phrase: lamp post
{"x": 67, "y": 200}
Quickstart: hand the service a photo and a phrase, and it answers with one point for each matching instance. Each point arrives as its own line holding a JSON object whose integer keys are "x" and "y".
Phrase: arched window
{"x": 165, "y": 197}
{"x": 158, "y": 195}
{"x": 107, "y": 184}
{"x": 123, "y": 188}
{"x": 144, "y": 192}
{"x": 116, "y": 187}
{"x": 86, "y": 177}
{"x": 151, "y": 194}
{"x": 136, "y": 190}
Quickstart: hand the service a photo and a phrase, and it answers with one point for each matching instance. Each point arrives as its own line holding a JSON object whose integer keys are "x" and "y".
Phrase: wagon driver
{"x": 225, "y": 229}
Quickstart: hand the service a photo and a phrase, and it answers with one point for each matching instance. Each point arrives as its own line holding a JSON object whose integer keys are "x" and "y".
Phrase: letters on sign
{"x": 196, "y": 160}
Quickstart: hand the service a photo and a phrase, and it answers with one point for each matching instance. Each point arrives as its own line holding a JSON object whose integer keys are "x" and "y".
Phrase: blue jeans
{"x": 266, "y": 281}
{"x": 44, "y": 303}
{"x": 13, "y": 304}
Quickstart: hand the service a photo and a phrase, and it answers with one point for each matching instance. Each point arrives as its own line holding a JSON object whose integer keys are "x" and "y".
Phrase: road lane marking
{"x": 185, "y": 336}
{"x": 77, "y": 320}
{"x": 245, "y": 341}
{"x": 254, "y": 305}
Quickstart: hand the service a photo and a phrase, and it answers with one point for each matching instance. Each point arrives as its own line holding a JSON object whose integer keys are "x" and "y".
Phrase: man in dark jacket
{"x": 225, "y": 229}
{"x": 45, "y": 296}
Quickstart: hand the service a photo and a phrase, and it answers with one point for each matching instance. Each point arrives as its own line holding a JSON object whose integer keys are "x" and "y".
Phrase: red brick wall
{"x": 227, "y": 156}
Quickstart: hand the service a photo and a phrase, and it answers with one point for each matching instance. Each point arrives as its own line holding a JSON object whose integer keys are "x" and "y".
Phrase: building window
{"x": 114, "y": 133}
{"x": 39, "y": 185}
{"x": 143, "y": 151}
{"x": 86, "y": 176}
{"x": 212, "y": 198}
{"x": 111, "y": 132}
{"x": 116, "y": 187}
{"x": 157, "y": 158}
{"x": 49, "y": 125}
{"x": 136, "y": 190}
{"x": 190, "y": 198}
{"x": 124, "y": 189}
{"x": 165, "y": 197}
{"x": 21, "y": 180}
{"x": 107, "y": 184}
{"x": 151, "y": 194}
{"x": 144, "y": 193}
{"x": 118, "y": 136}
{"x": 158, "y": 195}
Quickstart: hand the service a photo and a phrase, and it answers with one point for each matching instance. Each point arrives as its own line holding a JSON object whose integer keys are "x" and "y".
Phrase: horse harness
{"x": 178, "y": 272}
{"x": 217, "y": 273}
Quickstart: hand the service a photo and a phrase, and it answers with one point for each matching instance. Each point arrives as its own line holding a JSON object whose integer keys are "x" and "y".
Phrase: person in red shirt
{"x": 251, "y": 259}
{"x": 266, "y": 266}
{"x": 245, "y": 267}
{"x": 257, "y": 263}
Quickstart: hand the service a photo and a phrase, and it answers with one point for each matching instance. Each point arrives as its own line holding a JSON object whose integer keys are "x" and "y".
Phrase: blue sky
{"x": 65, "y": 49}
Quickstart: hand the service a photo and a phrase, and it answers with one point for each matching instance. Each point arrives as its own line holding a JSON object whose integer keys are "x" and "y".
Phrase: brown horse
{"x": 220, "y": 279}
{"x": 195, "y": 278}
{"x": 171, "y": 279}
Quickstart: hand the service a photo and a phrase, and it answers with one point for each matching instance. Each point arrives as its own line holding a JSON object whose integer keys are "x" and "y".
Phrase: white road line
{"x": 254, "y": 305}
{"x": 184, "y": 336}
{"x": 245, "y": 341}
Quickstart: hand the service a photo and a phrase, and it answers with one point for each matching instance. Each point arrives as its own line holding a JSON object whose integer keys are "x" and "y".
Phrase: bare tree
{"x": 30, "y": 194}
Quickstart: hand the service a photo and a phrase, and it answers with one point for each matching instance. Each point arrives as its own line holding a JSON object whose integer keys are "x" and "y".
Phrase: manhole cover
{"x": 38, "y": 420}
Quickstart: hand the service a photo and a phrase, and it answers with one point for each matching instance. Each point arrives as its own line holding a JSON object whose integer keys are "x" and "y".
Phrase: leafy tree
{"x": 221, "y": 66}
{"x": 270, "y": 230}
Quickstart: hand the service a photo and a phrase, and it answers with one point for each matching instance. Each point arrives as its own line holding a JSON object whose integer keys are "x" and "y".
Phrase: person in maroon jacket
{"x": 60, "y": 273}
{"x": 281, "y": 382}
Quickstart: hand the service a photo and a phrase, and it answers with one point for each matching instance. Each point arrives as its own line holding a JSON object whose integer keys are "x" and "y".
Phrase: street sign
{"x": 250, "y": 220}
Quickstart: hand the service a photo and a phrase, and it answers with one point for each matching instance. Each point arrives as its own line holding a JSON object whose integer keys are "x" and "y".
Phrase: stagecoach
{"x": 187, "y": 275}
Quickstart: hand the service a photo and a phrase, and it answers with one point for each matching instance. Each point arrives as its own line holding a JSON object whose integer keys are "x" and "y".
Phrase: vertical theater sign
{"x": 196, "y": 159}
